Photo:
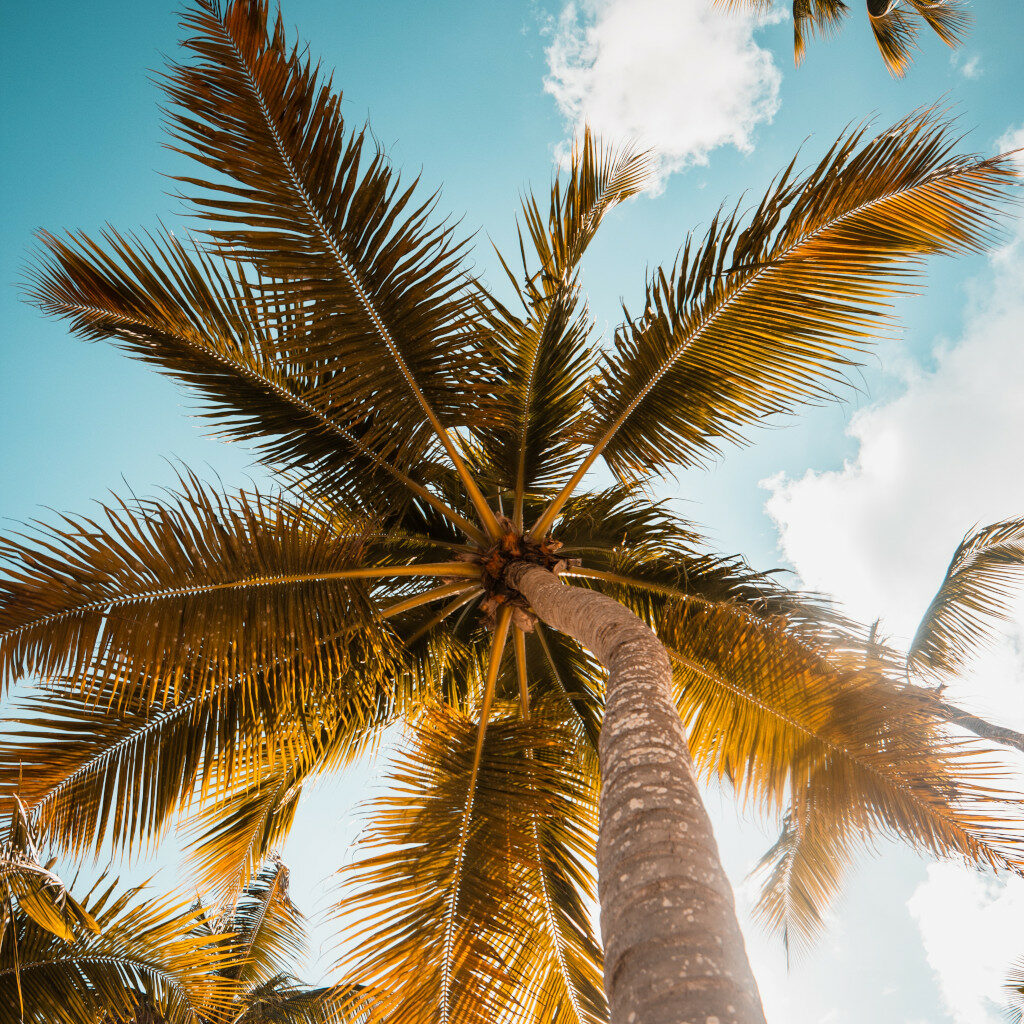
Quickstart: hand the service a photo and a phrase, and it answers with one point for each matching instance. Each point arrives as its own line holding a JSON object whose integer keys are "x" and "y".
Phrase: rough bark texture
{"x": 674, "y": 953}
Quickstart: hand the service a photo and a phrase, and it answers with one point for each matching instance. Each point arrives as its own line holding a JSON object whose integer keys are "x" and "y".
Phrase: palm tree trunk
{"x": 673, "y": 948}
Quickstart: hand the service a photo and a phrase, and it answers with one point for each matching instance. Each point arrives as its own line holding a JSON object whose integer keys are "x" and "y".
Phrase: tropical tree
{"x": 116, "y": 957}
{"x": 109, "y": 956}
{"x": 803, "y": 871}
{"x": 894, "y": 23}
{"x": 440, "y": 554}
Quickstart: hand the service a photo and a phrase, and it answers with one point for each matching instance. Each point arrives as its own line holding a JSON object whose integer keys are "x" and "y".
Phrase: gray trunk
{"x": 674, "y": 953}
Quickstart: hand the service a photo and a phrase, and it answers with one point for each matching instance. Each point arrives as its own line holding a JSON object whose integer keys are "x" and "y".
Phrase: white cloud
{"x": 971, "y": 68}
{"x": 680, "y": 77}
{"x": 955, "y": 903}
{"x": 878, "y": 533}
{"x": 1012, "y": 140}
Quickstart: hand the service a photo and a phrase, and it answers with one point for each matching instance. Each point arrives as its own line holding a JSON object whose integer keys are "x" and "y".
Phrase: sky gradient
{"x": 865, "y": 500}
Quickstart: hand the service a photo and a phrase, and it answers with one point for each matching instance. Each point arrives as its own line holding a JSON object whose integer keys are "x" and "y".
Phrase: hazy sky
{"x": 865, "y": 500}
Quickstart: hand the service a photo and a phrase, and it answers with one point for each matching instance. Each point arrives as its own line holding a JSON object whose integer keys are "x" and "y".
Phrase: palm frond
{"x": 545, "y": 357}
{"x": 895, "y": 25}
{"x": 144, "y": 952}
{"x": 1015, "y": 994}
{"x": 102, "y": 770}
{"x": 513, "y": 948}
{"x": 31, "y": 884}
{"x": 803, "y": 875}
{"x": 768, "y": 311}
{"x": 268, "y": 928}
{"x": 200, "y": 319}
{"x": 231, "y": 838}
{"x": 972, "y": 598}
{"x": 385, "y": 287}
{"x": 200, "y": 585}
{"x": 769, "y": 707}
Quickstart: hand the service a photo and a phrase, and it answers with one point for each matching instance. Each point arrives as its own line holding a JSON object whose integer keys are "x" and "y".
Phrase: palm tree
{"x": 803, "y": 871}
{"x": 64, "y": 960}
{"x": 113, "y": 957}
{"x": 439, "y": 555}
{"x": 894, "y": 23}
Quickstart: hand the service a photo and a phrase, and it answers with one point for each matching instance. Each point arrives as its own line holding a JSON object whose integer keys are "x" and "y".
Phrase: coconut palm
{"x": 803, "y": 871}
{"x": 115, "y": 957}
{"x": 67, "y": 961}
{"x": 894, "y": 23}
{"x": 442, "y": 553}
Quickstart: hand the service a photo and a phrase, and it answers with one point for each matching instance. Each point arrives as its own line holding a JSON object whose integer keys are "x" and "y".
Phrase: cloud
{"x": 878, "y": 533}
{"x": 970, "y": 68}
{"x": 682, "y": 77}
{"x": 953, "y": 903}
{"x": 1012, "y": 140}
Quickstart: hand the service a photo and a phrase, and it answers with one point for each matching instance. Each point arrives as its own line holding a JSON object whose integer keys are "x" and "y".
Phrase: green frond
{"x": 973, "y": 597}
{"x": 295, "y": 194}
{"x": 418, "y": 873}
{"x": 144, "y": 952}
{"x": 770, "y": 309}
{"x": 198, "y": 587}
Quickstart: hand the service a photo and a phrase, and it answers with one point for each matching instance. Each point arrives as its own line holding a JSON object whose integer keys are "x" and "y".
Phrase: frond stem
{"x": 497, "y": 649}
{"x": 460, "y": 569}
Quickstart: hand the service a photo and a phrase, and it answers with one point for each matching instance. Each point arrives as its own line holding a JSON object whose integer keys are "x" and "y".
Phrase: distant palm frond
{"x": 985, "y": 570}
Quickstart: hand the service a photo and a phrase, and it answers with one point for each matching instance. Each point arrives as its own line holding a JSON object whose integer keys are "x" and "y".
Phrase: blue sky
{"x": 457, "y": 91}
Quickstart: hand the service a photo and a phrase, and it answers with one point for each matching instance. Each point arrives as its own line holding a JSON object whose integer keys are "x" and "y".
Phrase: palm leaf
{"x": 972, "y": 598}
{"x": 768, "y": 311}
{"x": 386, "y": 289}
{"x": 803, "y": 875}
{"x": 544, "y": 355}
{"x": 201, "y": 586}
{"x": 268, "y": 928}
{"x": 894, "y": 22}
{"x": 233, "y": 835}
{"x": 145, "y": 952}
{"x": 202, "y": 321}
{"x": 895, "y": 26}
{"x": 1015, "y": 994}
{"x": 781, "y": 713}
{"x": 521, "y": 939}
{"x": 95, "y": 771}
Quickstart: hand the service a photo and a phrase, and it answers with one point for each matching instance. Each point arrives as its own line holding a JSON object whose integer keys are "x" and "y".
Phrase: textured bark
{"x": 674, "y": 953}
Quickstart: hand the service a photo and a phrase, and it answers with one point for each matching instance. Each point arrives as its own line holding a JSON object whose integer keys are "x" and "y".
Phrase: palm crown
{"x": 208, "y": 653}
